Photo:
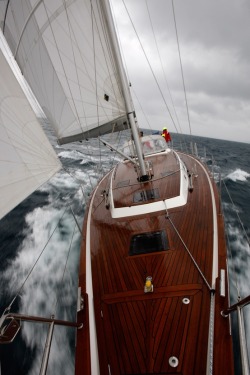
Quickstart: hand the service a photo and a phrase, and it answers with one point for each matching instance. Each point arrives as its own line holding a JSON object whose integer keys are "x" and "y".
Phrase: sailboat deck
{"x": 125, "y": 184}
{"x": 165, "y": 331}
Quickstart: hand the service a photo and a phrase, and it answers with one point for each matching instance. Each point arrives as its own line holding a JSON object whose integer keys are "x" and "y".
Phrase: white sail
{"x": 63, "y": 51}
{"x": 27, "y": 159}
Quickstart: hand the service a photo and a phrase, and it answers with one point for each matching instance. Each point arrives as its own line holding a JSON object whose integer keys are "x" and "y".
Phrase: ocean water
{"x": 40, "y": 243}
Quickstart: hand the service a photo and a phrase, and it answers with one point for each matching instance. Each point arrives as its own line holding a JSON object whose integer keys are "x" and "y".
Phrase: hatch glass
{"x": 148, "y": 242}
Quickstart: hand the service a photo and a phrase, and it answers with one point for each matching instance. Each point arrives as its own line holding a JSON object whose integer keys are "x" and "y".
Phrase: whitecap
{"x": 51, "y": 287}
{"x": 74, "y": 155}
{"x": 238, "y": 175}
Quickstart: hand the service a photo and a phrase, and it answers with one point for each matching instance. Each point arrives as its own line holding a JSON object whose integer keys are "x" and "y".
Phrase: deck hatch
{"x": 149, "y": 242}
{"x": 146, "y": 195}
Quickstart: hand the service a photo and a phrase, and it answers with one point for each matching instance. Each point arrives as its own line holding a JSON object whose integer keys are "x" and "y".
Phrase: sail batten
{"x": 64, "y": 53}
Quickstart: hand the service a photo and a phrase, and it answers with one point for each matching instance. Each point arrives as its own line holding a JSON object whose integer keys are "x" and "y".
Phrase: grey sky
{"x": 214, "y": 37}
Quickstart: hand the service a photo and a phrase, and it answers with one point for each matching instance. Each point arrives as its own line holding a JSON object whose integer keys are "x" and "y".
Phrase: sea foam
{"x": 238, "y": 175}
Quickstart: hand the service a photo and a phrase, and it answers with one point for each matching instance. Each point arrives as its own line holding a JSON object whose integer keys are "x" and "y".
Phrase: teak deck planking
{"x": 138, "y": 332}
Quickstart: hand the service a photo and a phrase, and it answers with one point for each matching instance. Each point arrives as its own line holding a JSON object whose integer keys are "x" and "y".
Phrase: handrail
{"x": 39, "y": 319}
{"x": 242, "y": 335}
{"x": 10, "y": 324}
{"x": 9, "y": 331}
{"x": 245, "y": 301}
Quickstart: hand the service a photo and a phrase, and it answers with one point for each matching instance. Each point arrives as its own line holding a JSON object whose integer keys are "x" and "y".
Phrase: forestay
{"x": 63, "y": 51}
{"x": 27, "y": 159}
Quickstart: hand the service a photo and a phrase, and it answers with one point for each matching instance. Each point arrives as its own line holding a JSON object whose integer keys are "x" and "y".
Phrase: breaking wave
{"x": 238, "y": 175}
{"x": 50, "y": 289}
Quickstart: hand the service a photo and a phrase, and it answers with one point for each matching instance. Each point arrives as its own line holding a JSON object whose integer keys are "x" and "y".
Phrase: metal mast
{"x": 125, "y": 87}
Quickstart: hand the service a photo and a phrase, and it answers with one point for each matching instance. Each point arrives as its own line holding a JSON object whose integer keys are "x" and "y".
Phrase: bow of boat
{"x": 154, "y": 261}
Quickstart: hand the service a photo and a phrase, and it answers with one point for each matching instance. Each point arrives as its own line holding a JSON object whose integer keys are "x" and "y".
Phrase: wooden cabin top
{"x": 125, "y": 184}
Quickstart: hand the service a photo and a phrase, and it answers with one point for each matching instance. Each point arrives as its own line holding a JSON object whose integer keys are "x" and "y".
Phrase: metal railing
{"x": 241, "y": 329}
{"x": 10, "y": 325}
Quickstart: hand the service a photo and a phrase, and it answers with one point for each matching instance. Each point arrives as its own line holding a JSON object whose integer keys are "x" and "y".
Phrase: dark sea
{"x": 40, "y": 242}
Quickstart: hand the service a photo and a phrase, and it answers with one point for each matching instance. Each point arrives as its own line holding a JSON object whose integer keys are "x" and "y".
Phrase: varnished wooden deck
{"x": 138, "y": 333}
{"x": 125, "y": 183}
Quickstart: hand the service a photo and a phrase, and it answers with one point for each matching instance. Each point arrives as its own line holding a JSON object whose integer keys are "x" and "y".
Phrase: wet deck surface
{"x": 142, "y": 333}
{"x": 125, "y": 183}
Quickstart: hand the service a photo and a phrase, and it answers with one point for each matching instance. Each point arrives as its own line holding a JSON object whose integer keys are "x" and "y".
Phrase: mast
{"x": 125, "y": 88}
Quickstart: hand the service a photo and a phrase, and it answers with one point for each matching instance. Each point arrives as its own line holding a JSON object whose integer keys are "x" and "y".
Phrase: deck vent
{"x": 149, "y": 242}
{"x": 146, "y": 195}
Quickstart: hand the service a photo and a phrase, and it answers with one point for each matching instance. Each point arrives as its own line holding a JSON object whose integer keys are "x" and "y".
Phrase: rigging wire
{"x": 163, "y": 70}
{"x": 134, "y": 93}
{"x": 236, "y": 281}
{"x": 64, "y": 270}
{"x": 101, "y": 17}
{"x": 240, "y": 221}
{"x": 107, "y": 48}
{"x": 75, "y": 65}
{"x": 95, "y": 77}
{"x": 78, "y": 181}
{"x": 182, "y": 74}
{"x": 151, "y": 69}
{"x": 100, "y": 168}
{"x": 5, "y": 15}
{"x": 122, "y": 54}
{"x": 35, "y": 263}
{"x": 233, "y": 267}
{"x": 188, "y": 251}
{"x": 45, "y": 246}
{"x": 94, "y": 24}
{"x": 62, "y": 64}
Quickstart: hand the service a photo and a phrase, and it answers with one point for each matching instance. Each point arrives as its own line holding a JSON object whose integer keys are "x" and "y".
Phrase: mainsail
{"x": 63, "y": 51}
{"x": 27, "y": 159}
